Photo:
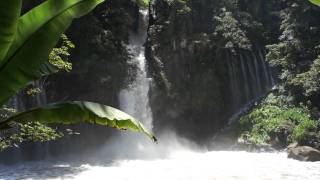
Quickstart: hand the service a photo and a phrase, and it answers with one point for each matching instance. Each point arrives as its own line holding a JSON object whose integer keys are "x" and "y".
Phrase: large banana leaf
{"x": 34, "y": 40}
{"x": 316, "y": 2}
{"x": 37, "y": 17}
{"x": 9, "y": 15}
{"x": 79, "y": 112}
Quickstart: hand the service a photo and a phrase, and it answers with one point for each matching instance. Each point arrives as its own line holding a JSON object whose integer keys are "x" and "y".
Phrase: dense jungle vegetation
{"x": 291, "y": 112}
{"x": 208, "y": 34}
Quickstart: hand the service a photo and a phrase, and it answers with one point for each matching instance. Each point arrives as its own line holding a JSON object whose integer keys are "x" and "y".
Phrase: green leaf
{"x": 316, "y": 2}
{"x": 79, "y": 112}
{"x": 9, "y": 15}
{"x": 37, "y": 17}
{"x": 27, "y": 59}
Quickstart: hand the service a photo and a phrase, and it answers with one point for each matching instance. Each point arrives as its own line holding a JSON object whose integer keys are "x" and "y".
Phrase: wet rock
{"x": 303, "y": 153}
{"x": 293, "y": 145}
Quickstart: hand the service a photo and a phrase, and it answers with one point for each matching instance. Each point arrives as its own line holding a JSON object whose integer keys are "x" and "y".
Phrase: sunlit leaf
{"x": 79, "y": 112}
{"x": 316, "y": 2}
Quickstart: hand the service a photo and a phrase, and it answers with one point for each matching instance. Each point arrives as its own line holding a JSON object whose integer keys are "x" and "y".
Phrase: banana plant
{"x": 316, "y": 2}
{"x": 25, "y": 43}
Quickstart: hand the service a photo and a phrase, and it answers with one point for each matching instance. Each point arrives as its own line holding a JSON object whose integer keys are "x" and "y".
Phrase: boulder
{"x": 304, "y": 153}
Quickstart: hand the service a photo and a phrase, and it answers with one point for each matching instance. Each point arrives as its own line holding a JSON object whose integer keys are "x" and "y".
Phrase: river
{"x": 178, "y": 165}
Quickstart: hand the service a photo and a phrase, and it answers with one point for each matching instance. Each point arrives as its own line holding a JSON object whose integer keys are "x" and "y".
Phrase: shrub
{"x": 305, "y": 131}
{"x": 274, "y": 119}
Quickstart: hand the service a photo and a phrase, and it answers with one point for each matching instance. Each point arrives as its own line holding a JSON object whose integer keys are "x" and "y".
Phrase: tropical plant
{"x": 143, "y": 3}
{"x": 316, "y": 2}
{"x": 295, "y": 53}
{"x": 273, "y": 118}
{"x": 25, "y": 44}
{"x": 229, "y": 33}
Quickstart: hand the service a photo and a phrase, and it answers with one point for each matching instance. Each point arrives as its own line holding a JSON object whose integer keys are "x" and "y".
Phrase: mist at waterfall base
{"x": 135, "y": 101}
{"x": 178, "y": 164}
{"x": 133, "y": 156}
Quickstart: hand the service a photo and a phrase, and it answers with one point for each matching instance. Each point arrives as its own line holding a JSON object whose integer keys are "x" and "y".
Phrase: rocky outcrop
{"x": 100, "y": 59}
{"x": 201, "y": 75}
{"x": 304, "y": 153}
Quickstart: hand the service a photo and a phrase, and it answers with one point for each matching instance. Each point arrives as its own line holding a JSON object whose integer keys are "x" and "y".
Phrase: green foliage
{"x": 273, "y": 118}
{"x": 79, "y": 112}
{"x": 34, "y": 44}
{"x": 31, "y": 131}
{"x": 296, "y": 53}
{"x": 309, "y": 80}
{"x": 229, "y": 30}
{"x": 5, "y": 112}
{"x": 305, "y": 131}
{"x": 38, "y": 132}
{"x": 143, "y": 3}
{"x": 9, "y": 13}
{"x": 316, "y": 2}
{"x": 33, "y": 91}
{"x": 181, "y": 6}
{"x": 59, "y": 56}
{"x": 296, "y": 56}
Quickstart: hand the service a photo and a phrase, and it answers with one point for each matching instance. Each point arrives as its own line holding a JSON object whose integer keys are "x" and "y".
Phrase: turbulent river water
{"x": 178, "y": 165}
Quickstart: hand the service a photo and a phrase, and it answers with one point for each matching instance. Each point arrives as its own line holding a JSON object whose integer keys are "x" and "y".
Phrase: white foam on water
{"x": 179, "y": 165}
{"x": 209, "y": 165}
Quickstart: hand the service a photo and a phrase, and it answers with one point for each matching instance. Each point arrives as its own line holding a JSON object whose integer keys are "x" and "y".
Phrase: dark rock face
{"x": 100, "y": 67}
{"x": 198, "y": 83}
{"x": 304, "y": 153}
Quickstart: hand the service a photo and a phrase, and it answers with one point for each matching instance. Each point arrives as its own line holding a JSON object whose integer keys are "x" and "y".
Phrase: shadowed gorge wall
{"x": 206, "y": 62}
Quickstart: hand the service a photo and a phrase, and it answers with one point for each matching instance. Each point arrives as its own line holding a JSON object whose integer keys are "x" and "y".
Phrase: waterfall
{"x": 245, "y": 77}
{"x": 257, "y": 75}
{"x": 254, "y": 81}
{"x": 135, "y": 100}
{"x": 41, "y": 97}
{"x": 16, "y": 103}
{"x": 265, "y": 70}
{"x": 234, "y": 86}
{"x": 252, "y": 76}
{"x": 22, "y": 101}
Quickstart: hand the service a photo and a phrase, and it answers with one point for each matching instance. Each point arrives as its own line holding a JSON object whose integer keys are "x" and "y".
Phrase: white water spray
{"x": 134, "y": 100}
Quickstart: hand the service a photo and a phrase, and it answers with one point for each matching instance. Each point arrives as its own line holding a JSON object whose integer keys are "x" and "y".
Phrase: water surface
{"x": 179, "y": 165}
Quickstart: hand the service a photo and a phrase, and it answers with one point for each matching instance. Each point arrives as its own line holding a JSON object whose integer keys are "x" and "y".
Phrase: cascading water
{"x": 134, "y": 100}
{"x": 245, "y": 77}
{"x": 257, "y": 75}
{"x": 22, "y": 101}
{"x": 252, "y": 72}
{"x": 41, "y": 97}
{"x": 132, "y": 156}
